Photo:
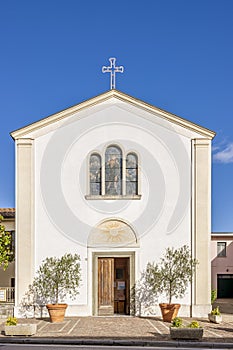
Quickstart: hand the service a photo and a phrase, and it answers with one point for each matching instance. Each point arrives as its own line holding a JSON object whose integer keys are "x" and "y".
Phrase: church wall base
{"x": 201, "y": 310}
{"x": 84, "y": 310}
{"x": 41, "y": 311}
{"x": 185, "y": 311}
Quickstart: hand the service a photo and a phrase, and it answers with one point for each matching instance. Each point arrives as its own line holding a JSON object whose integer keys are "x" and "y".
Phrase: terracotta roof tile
{"x": 7, "y": 212}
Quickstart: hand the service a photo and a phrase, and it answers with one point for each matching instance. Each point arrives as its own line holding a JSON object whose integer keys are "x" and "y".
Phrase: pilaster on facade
{"x": 201, "y": 223}
{"x": 24, "y": 215}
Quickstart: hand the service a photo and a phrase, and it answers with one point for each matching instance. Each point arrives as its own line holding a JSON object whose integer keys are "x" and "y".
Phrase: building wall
{"x": 64, "y": 219}
{"x": 61, "y": 218}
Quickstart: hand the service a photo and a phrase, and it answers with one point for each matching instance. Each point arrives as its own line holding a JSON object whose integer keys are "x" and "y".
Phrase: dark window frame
{"x": 221, "y": 249}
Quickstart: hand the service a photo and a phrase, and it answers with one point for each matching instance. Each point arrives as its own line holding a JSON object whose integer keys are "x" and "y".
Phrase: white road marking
{"x": 163, "y": 324}
{"x": 66, "y": 323}
{"x": 157, "y": 330}
{"x": 74, "y": 326}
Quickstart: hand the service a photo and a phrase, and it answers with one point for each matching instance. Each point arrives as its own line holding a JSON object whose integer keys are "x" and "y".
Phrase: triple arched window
{"x": 113, "y": 174}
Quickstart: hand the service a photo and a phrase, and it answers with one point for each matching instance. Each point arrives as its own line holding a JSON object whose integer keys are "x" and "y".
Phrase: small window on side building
{"x": 221, "y": 249}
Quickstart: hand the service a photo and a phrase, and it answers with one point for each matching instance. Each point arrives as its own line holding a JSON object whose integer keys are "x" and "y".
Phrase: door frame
{"x": 95, "y": 256}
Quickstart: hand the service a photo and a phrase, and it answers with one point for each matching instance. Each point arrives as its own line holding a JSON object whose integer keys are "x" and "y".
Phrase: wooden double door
{"x": 113, "y": 286}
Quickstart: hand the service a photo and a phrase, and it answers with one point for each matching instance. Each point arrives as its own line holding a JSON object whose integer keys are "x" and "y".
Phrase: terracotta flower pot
{"x": 169, "y": 311}
{"x": 56, "y": 312}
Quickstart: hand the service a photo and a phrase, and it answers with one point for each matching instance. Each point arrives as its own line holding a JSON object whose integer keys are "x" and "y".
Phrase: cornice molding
{"x": 24, "y": 142}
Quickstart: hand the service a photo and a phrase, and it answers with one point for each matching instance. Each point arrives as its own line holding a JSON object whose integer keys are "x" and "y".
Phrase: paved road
{"x": 126, "y": 328}
{"x": 113, "y": 332}
{"x": 76, "y": 347}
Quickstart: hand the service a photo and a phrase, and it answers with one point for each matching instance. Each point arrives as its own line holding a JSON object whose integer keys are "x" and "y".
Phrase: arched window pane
{"x": 131, "y": 174}
{"x": 113, "y": 171}
{"x": 95, "y": 174}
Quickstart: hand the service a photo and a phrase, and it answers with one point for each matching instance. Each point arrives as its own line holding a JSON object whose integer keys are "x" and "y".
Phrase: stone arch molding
{"x": 112, "y": 233}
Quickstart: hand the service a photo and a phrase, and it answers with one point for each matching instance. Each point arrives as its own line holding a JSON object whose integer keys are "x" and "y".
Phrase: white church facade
{"x": 117, "y": 181}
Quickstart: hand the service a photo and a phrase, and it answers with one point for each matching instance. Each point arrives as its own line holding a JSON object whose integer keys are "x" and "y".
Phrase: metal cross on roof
{"x": 113, "y": 70}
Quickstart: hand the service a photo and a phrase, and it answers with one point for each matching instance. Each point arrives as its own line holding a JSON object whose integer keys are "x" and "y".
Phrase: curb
{"x": 116, "y": 342}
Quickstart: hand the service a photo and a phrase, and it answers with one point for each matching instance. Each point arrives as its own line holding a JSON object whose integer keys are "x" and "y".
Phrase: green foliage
{"x": 213, "y": 296}
{"x": 177, "y": 322}
{"x": 216, "y": 311}
{"x": 57, "y": 278}
{"x": 194, "y": 324}
{"x": 173, "y": 274}
{"x": 11, "y": 321}
{"x": 6, "y": 253}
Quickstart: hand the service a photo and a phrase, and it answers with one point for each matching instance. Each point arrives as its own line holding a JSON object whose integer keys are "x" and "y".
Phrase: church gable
{"x": 105, "y": 102}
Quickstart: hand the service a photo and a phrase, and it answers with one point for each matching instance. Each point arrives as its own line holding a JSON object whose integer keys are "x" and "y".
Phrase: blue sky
{"x": 177, "y": 54}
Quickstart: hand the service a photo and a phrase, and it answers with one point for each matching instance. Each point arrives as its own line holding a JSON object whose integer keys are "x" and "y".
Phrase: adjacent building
{"x": 7, "y": 279}
{"x": 222, "y": 263}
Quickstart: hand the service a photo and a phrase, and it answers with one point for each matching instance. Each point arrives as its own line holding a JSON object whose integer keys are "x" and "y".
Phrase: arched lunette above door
{"x": 112, "y": 233}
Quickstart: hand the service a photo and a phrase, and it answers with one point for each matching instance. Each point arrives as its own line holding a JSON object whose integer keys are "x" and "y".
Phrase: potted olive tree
{"x": 171, "y": 276}
{"x": 56, "y": 279}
